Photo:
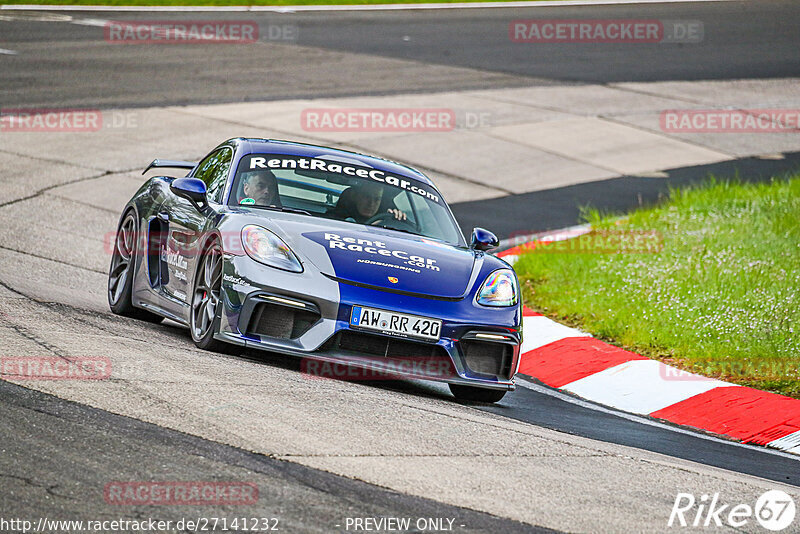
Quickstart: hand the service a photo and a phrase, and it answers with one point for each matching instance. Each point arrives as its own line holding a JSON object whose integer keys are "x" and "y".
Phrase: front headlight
{"x": 269, "y": 249}
{"x": 499, "y": 289}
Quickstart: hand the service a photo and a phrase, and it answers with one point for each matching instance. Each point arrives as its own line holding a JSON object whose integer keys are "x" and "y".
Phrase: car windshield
{"x": 333, "y": 188}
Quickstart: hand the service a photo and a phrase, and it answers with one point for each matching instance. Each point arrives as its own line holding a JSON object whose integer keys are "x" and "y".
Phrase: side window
{"x": 214, "y": 172}
{"x": 206, "y": 167}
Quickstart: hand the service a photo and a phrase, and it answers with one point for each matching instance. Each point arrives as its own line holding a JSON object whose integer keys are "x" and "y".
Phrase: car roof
{"x": 254, "y": 145}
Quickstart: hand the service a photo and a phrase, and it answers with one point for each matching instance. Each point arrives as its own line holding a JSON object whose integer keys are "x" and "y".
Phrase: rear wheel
{"x": 206, "y": 301}
{"x": 475, "y": 394}
{"x": 120, "y": 274}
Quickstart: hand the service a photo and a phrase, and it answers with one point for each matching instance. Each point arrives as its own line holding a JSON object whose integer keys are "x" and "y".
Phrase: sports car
{"x": 336, "y": 257}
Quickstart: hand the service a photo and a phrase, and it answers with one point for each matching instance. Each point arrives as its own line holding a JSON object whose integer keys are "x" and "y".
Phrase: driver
{"x": 360, "y": 203}
{"x": 262, "y": 187}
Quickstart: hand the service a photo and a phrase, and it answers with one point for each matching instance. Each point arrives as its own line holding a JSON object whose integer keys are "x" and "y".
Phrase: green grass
{"x": 722, "y": 298}
{"x": 230, "y": 2}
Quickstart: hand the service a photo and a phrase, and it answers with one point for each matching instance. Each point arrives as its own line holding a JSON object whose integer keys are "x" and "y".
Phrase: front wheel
{"x": 475, "y": 394}
{"x": 206, "y": 301}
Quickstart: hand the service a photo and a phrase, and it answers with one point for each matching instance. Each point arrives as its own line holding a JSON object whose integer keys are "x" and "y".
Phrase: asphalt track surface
{"x": 65, "y": 446}
{"x": 561, "y": 207}
{"x": 367, "y": 53}
{"x": 350, "y": 54}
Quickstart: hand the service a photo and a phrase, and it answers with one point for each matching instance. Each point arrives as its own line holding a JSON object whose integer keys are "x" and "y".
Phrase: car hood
{"x": 369, "y": 255}
{"x": 412, "y": 264}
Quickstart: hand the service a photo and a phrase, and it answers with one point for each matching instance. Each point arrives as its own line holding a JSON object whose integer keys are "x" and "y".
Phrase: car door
{"x": 187, "y": 226}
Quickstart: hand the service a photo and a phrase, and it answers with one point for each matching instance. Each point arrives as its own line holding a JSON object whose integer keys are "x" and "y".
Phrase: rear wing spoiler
{"x": 170, "y": 163}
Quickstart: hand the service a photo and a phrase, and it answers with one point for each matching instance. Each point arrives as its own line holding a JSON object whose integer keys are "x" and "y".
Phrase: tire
{"x": 476, "y": 394}
{"x": 206, "y": 306}
{"x": 121, "y": 272}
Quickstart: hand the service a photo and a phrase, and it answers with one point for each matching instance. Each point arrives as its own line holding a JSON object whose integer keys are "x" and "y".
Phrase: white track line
{"x": 790, "y": 443}
{"x": 641, "y": 386}
{"x": 100, "y": 23}
{"x": 550, "y": 235}
{"x": 354, "y": 7}
{"x": 523, "y": 382}
{"x": 538, "y": 331}
{"x": 8, "y": 52}
{"x": 635, "y": 388}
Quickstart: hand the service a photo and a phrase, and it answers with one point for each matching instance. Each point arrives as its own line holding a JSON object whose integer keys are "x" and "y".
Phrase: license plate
{"x": 399, "y": 324}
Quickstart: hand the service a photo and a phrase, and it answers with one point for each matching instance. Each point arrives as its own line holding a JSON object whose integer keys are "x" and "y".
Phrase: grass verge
{"x": 721, "y": 298}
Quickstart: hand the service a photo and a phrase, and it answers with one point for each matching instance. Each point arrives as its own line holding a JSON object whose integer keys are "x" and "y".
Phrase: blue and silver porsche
{"x": 336, "y": 257}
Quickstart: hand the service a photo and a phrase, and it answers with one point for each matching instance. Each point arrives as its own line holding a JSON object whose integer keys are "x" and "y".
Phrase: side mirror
{"x": 483, "y": 239}
{"x": 192, "y": 189}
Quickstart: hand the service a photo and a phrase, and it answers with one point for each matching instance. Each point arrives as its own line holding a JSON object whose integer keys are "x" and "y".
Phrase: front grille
{"x": 383, "y": 346}
{"x": 280, "y": 322}
{"x": 488, "y": 358}
{"x": 363, "y": 343}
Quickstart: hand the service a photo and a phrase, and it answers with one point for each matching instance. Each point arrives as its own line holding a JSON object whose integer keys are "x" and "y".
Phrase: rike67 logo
{"x": 774, "y": 510}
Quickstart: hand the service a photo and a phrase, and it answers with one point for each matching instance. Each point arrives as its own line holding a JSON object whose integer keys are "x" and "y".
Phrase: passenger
{"x": 361, "y": 202}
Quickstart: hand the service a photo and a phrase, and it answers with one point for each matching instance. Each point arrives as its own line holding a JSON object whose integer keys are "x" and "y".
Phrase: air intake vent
{"x": 493, "y": 359}
{"x": 383, "y": 346}
{"x": 282, "y": 322}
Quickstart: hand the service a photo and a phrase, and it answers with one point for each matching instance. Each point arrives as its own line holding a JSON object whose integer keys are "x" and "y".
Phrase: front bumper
{"x": 307, "y": 315}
